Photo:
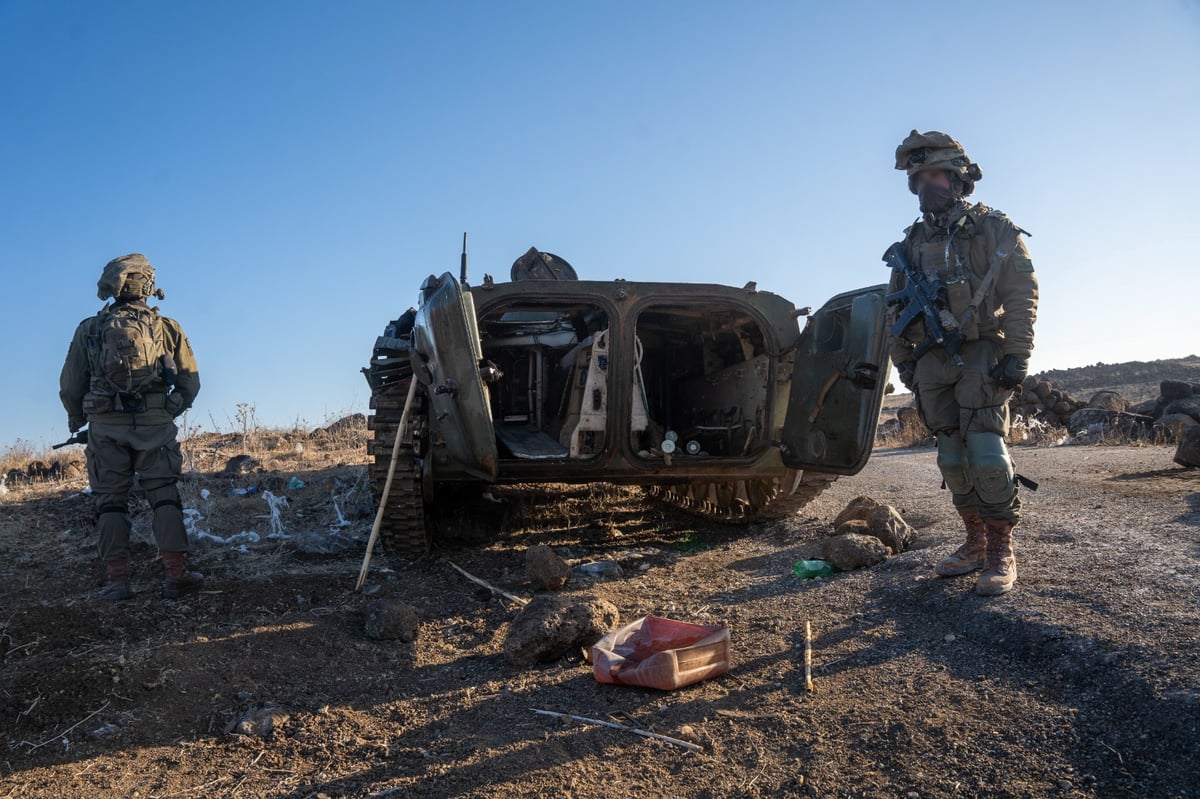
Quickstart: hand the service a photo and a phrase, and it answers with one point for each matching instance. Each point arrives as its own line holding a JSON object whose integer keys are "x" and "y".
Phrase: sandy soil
{"x": 1083, "y": 682}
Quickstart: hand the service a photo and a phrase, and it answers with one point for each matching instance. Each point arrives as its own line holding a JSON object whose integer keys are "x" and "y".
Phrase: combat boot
{"x": 970, "y": 556}
{"x": 117, "y": 587}
{"x": 178, "y": 580}
{"x": 1000, "y": 571}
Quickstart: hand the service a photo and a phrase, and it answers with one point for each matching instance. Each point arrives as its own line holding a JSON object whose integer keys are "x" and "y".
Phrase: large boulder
{"x": 853, "y": 551}
{"x": 545, "y": 569}
{"x": 1189, "y": 407}
{"x": 886, "y": 524}
{"x": 550, "y": 626}
{"x": 1090, "y": 421}
{"x": 1108, "y": 401}
{"x": 1095, "y": 422}
{"x": 1173, "y": 424}
{"x": 910, "y": 419}
{"x": 1172, "y": 390}
{"x": 1188, "y": 451}
{"x": 859, "y": 508}
{"x": 1150, "y": 407}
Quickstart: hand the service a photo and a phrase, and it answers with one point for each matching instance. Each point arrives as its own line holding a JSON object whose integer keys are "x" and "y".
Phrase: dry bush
{"x": 20, "y": 455}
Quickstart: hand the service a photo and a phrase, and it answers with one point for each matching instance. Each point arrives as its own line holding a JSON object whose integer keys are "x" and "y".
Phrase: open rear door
{"x": 839, "y": 375}
{"x": 447, "y": 361}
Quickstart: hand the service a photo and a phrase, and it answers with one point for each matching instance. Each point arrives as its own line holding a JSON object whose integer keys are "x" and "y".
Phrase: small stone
{"x": 859, "y": 508}
{"x": 260, "y": 722}
{"x": 858, "y": 526}
{"x": 599, "y": 570}
{"x": 853, "y": 551}
{"x": 1065, "y": 785}
{"x": 389, "y": 619}
{"x": 950, "y": 638}
{"x": 545, "y": 569}
{"x": 886, "y": 524}
{"x": 550, "y": 626}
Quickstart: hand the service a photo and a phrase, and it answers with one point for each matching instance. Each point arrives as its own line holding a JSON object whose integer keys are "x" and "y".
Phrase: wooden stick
{"x": 512, "y": 597}
{"x": 387, "y": 485}
{"x": 615, "y": 726}
{"x": 808, "y": 683}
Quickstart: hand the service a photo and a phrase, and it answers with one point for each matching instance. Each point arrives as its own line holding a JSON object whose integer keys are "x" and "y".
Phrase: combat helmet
{"x": 936, "y": 150}
{"x": 130, "y": 277}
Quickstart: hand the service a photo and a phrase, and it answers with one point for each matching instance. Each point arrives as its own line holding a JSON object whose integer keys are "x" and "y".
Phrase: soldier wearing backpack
{"x": 129, "y": 373}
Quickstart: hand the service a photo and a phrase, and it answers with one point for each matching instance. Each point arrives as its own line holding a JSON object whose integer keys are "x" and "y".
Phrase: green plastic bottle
{"x": 807, "y": 569}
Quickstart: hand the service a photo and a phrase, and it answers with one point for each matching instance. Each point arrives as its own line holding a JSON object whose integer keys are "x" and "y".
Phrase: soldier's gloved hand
{"x": 74, "y": 423}
{"x": 906, "y": 372}
{"x": 1011, "y": 370}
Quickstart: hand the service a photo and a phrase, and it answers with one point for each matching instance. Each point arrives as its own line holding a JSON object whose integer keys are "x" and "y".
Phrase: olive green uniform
{"x": 968, "y": 247}
{"x": 122, "y": 443}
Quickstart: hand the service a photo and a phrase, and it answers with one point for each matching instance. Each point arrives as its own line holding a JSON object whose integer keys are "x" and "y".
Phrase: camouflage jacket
{"x": 961, "y": 251}
{"x": 75, "y": 382}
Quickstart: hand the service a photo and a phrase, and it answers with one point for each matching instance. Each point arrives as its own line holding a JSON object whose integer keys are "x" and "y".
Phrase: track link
{"x": 405, "y": 528}
{"x": 742, "y": 502}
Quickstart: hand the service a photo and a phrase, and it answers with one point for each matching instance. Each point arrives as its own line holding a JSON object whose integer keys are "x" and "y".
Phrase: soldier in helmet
{"x": 991, "y": 293}
{"x": 129, "y": 372}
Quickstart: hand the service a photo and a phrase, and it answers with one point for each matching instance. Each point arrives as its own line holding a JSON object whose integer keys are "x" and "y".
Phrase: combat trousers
{"x": 115, "y": 453}
{"x": 968, "y": 413}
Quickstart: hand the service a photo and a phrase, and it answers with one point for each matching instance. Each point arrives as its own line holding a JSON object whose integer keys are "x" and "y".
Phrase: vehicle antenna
{"x": 462, "y": 277}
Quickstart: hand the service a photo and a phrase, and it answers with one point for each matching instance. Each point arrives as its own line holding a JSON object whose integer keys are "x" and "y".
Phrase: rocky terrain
{"x": 279, "y": 680}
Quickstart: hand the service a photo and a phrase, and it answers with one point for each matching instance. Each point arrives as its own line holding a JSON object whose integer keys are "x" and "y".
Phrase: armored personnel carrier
{"x": 712, "y": 397}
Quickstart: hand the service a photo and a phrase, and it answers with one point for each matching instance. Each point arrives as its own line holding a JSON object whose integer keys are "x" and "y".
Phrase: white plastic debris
{"x": 205, "y": 493}
{"x": 341, "y": 520}
{"x": 275, "y": 505}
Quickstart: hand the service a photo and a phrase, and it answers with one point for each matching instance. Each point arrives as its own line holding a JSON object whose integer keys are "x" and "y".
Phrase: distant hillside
{"x": 1136, "y": 380}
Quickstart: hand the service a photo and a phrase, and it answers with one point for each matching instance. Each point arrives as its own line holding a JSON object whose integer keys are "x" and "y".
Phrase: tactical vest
{"x": 945, "y": 256}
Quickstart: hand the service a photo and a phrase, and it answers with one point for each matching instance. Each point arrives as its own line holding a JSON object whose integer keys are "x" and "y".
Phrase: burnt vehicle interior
{"x": 706, "y": 377}
{"x": 698, "y": 388}
{"x": 551, "y": 402}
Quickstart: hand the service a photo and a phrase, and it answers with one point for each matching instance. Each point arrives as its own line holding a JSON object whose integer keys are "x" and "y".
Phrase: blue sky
{"x": 294, "y": 169}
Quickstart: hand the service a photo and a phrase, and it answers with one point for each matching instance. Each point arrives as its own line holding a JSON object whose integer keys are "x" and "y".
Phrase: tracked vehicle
{"x": 712, "y": 397}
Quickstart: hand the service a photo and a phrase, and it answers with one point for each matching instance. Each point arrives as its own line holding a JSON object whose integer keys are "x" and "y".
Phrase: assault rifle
{"x": 78, "y": 438}
{"x": 926, "y": 298}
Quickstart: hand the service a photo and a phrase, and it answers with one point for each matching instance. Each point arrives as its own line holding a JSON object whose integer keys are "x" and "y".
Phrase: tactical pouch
{"x": 130, "y": 402}
{"x": 173, "y": 404}
{"x": 94, "y": 404}
{"x": 958, "y": 296}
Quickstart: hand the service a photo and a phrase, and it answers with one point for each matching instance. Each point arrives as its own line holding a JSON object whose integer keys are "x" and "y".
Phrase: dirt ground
{"x": 1083, "y": 682}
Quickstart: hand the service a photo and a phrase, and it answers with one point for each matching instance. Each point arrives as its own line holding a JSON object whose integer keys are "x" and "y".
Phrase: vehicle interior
{"x": 698, "y": 388}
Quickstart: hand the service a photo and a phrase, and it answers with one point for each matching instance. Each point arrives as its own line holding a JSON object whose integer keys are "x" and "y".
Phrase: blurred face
{"x": 936, "y": 177}
{"x": 933, "y": 191}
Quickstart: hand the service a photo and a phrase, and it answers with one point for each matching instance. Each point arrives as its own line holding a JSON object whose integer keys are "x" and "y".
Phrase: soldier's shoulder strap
{"x": 980, "y": 212}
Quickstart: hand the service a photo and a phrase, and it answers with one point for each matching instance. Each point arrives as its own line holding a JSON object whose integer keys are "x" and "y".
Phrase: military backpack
{"x": 128, "y": 358}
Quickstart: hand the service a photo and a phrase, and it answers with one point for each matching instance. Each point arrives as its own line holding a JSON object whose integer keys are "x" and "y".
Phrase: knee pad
{"x": 952, "y": 461}
{"x": 163, "y": 496}
{"x": 992, "y": 468}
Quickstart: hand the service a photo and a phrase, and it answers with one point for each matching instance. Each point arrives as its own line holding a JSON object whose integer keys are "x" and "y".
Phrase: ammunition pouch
{"x": 958, "y": 297}
{"x": 173, "y": 403}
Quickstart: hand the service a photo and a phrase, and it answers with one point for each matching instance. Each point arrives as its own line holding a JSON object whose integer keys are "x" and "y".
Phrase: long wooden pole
{"x": 387, "y": 485}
